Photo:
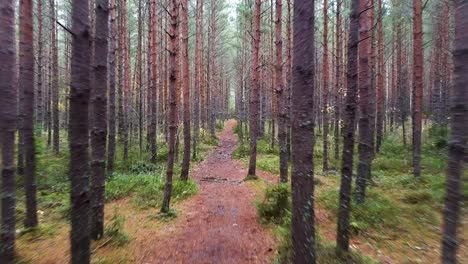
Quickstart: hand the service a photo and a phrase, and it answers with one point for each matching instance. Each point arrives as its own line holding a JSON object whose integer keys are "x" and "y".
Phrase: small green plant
{"x": 251, "y": 178}
{"x": 276, "y": 204}
{"x": 115, "y": 230}
{"x": 417, "y": 197}
{"x": 143, "y": 167}
{"x": 171, "y": 214}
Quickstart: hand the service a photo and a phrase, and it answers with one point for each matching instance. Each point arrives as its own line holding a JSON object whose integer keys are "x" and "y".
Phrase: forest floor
{"x": 219, "y": 224}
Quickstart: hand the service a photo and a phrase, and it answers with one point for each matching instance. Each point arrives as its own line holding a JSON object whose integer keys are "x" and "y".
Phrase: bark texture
{"x": 280, "y": 98}
{"x": 417, "y": 85}
{"x": 365, "y": 148}
{"x": 186, "y": 91}
{"x": 173, "y": 100}
{"x": 99, "y": 126}
{"x": 7, "y": 128}
{"x": 302, "y": 179}
{"x": 26, "y": 89}
{"x": 254, "y": 110}
{"x": 78, "y": 133}
{"x": 344, "y": 209}
{"x": 459, "y": 138}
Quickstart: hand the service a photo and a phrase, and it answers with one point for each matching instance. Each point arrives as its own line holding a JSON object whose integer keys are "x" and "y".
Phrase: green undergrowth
{"x": 398, "y": 206}
{"x": 136, "y": 176}
{"x": 275, "y": 209}
{"x": 114, "y": 230}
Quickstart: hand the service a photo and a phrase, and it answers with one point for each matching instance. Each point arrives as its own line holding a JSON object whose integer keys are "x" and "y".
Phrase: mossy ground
{"x": 134, "y": 190}
{"x": 401, "y": 218}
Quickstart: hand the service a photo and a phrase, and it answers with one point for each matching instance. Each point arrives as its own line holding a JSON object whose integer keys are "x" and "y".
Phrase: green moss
{"x": 275, "y": 205}
{"x": 377, "y": 211}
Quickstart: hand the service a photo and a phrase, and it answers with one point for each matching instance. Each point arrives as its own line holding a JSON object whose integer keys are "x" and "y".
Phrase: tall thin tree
{"x": 173, "y": 100}
{"x": 112, "y": 86}
{"x": 280, "y": 98}
{"x": 7, "y": 128}
{"x": 365, "y": 148}
{"x": 418, "y": 60}
{"x": 458, "y": 150}
{"x": 186, "y": 90}
{"x": 78, "y": 133}
{"x": 344, "y": 209}
{"x": 26, "y": 88}
{"x": 302, "y": 179}
{"x": 99, "y": 126}
{"x": 55, "y": 80}
{"x": 254, "y": 109}
{"x": 325, "y": 86}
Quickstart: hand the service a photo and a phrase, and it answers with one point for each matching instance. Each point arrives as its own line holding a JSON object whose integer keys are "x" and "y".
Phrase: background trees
{"x": 140, "y": 60}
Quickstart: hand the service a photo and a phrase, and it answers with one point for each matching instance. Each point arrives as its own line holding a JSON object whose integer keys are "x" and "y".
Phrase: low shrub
{"x": 276, "y": 204}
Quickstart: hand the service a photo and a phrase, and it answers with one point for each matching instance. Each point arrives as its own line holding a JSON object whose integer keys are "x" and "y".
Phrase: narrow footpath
{"x": 219, "y": 224}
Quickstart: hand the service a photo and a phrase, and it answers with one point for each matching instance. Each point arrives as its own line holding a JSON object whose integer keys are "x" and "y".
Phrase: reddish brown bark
{"x": 338, "y": 82}
{"x": 40, "y": 86}
{"x": 380, "y": 79}
{"x": 197, "y": 91}
{"x": 302, "y": 178}
{"x": 78, "y": 133}
{"x": 459, "y": 138}
{"x": 365, "y": 149}
{"x": 99, "y": 125}
{"x": 153, "y": 71}
{"x": 280, "y": 98}
{"x": 325, "y": 88}
{"x": 112, "y": 86}
{"x": 55, "y": 80}
{"x": 254, "y": 110}
{"x": 173, "y": 100}
{"x": 186, "y": 91}
{"x": 417, "y": 85}
{"x": 26, "y": 89}
{"x": 342, "y": 237}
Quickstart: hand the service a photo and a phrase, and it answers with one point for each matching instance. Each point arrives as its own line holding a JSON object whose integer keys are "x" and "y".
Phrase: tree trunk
{"x": 365, "y": 149}
{"x": 140, "y": 79}
{"x": 112, "y": 86}
{"x": 325, "y": 87}
{"x": 342, "y": 237}
{"x": 280, "y": 98}
{"x": 99, "y": 129}
{"x": 255, "y": 91}
{"x": 26, "y": 89}
{"x": 40, "y": 86}
{"x": 78, "y": 133}
{"x": 417, "y": 86}
{"x": 8, "y": 106}
{"x": 153, "y": 104}
{"x": 186, "y": 91}
{"x": 338, "y": 75}
{"x": 173, "y": 106}
{"x": 380, "y": 79}
{"x": 302, "y": 179}
{"x": 55, "y": 80}
{"x": 198, "y": 75}
{"x": 458, "y": 143}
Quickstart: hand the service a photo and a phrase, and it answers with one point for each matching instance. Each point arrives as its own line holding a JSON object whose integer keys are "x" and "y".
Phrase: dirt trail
{"x": 219, "y": 224}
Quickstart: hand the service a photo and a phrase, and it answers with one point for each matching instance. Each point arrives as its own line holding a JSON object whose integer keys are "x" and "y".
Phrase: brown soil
{"x": 219, "y": 224}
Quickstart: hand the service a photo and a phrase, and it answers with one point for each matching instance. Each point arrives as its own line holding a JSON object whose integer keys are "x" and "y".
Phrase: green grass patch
{"x": 276, "y": 204}
{"x": 377, "y": 212}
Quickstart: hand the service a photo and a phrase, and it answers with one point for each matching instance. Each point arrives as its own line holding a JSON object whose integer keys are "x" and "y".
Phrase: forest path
{"x": 219, "y": 224}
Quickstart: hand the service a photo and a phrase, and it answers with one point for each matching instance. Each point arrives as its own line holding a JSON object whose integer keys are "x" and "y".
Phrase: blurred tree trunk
{"x": 344, "y": 210}
{"x": 459, "y": 138}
